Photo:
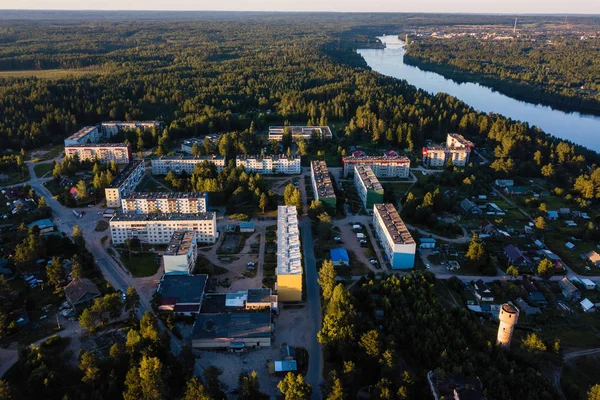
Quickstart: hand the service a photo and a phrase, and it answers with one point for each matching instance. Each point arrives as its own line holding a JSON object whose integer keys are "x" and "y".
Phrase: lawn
{"x": 149, "y": 185}
{"x": 50, "y": 73}
{"x": 579, "y": 375}
{"x": 203, "y": 266}
{"x": 42, "y": 169}
{"x": 47, "y": 153}
{"x": 141, "y": 264}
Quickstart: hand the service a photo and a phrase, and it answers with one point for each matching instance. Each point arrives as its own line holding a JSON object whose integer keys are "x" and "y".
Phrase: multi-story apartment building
{"x": 165, "y": 202}
{"x": 289, "y": 258}
{"x": 388, "y": 165}
{"x": 305, "y": 132}
{"x": 457, "y": 151}
{"x": 395, "y": 238}
{"x": 273, "y": 164}
{"x": 104, "y": 152}
{"x": 368, "y": 187}
{"x": 322, "y": 185}
{"x": 180, "y": 256}
{"x": 124, "y": 183}
{"x": 105, "y": 130}
{"x": 187, "y": 144}
{"x": 178, "y": 164}
{"x": 159, "y": 228}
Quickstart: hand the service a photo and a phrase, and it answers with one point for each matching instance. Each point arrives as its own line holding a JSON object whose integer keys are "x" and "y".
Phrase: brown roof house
{"x": 80, "y": 292}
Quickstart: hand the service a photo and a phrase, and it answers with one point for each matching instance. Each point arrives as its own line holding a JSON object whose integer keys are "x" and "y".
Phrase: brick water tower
{"x": 509, "y": 315}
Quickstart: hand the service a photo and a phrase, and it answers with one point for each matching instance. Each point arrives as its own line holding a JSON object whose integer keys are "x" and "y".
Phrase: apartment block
{"x": 104, "y": 152}
{"x": 274, "y": 164}
{"x": 322, "y": 185}
{"x": 187, "y": 144}
{"x": 159, "y": 228}
{"x": 105, "y": 130}
{"x": 457, "y": 151}
{"x": 394, "y": 236}
{"x": 368, "y": 187}
{"x": 458, "y": 141}
{"x": 165, "y": 202}
{"x": 305, "y": 132}
{"x": 180, "y": 256}
{"x": 178, "y": 164}
{"x": 124, "y": 183}
{"x": 289, "y": 258}
{"x": 388, "y": 165}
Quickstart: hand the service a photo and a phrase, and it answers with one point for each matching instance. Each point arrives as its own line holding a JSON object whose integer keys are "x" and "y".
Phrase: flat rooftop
{"x": 188, "y": 158}
{"x": 368, "y": 178}
{"x": 199, "y": 140}
{"x": 164, "y": 217}
{"x": 125, "y": 173}
{"x": 271, "y": 157}
{"x": 186, "y": 289}
{"x": 216, "y": 303}
{"x": 460, "y": 139}
{"x": 165, "y": 195}
{"x": 322, "y": 179}
{"x": 232, "y": 326}
{"x": 261, "y": 295}
{"x": 444, "y": 148}
{"x": 394, "y": 224}
{"x": 82, "y": 132}
{"x": 388, "y": 156}
{"x": 180, "y": 243}
{"x": 98, "y": 145}
{"x": 131, "y": 123}
{"x": 300, "y": 130}
{"x": 288, "y": 242}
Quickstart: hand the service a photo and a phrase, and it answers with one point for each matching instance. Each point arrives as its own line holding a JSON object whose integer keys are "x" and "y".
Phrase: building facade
{"x": 180, "y": 256}
{"x": 368, "y": 187}
{"x": 107, "y": 129}
{"x": 275, "y": 164}
{"x": 388, "y": 165}
{"x": 289, "y": 258}
{"x": 165, "y": 202}
{"x": 159, "y": 228}
{"x": 457, "y": 151}
{"x": 395, "y": 238}
{"x": 305, "y": 132}
{"x": 124, "y": 183}
{"x": 119, "y": 152}
{"x": 178, "y": 164}
{"x": 322, "y": 185}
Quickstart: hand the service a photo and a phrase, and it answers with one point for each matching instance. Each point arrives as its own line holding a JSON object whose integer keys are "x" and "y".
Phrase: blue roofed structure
{"x": 339, "y": 256}
{"x": 247, "y": 227}
{"x": 45, "y": 225}
{"x": 427, "y": 243}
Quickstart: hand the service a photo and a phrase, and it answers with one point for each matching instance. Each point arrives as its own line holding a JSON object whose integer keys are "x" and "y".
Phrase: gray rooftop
{"x": 180, "y": 243}
{"x": 270, "y": 156}
{"x": 321, "y": 174}
{"x": 125, "y": 173}
{"x": 186, "y": 158}
{"x": 163, "y": 217}
{"x": 262, "y": 295}
{"x": 187, "y": 289}
{"x": 166, "y": 195}
{"x": 368, "y": 178}
{"x": 97, "y": 145}
{"x": 232, "y": 326}
{"x": 394, "y": 224}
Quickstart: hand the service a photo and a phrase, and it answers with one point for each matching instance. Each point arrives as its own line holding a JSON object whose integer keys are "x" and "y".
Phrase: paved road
{"x": 581, "y": 353}
{"x": 313, "y": 302}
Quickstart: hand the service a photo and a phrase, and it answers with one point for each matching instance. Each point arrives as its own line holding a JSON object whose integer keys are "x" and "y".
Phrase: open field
{"x": 140, "y": 265}
{"x": 50, "y": 73}
{"x": 42, "y": 169}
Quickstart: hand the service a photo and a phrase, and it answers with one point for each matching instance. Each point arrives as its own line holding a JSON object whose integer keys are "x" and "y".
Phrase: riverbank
{"x": 510, "y": 87}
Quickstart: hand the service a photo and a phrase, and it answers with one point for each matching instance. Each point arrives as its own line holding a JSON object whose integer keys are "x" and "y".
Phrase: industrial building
{"x": 178, "y": 164}
{"x": 124, "y": 183}
{"x": 187, "y": 144}
{"x": 105, "y": 130}
{"x": 103, "y": 152}
{"x": 388, "y": 165}
{"x": 272, "y": 164}
{"x": 232, "y": 331}
{"x": 180, "y": 256}
{"x": 159, "y": 228}
{"x": 305, "y": 132}
{"x": 322, "y": 185}
{"x": 368, "y": 187}
{"x": 394, "y": 236}
{"x": 457, "y": 151}
{"x": 165, "y": 202}
{"x": 182, "y": 294}
{"x": 289, "y": 258}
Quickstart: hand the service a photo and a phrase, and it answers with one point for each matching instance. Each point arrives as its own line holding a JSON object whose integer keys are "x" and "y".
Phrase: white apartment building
{"x": 394, "y": 236}
{"x": 104, "y": 152}
{"x": 457, "y": 140}
{"x": 187, "y": 144}
{"x": 124, "y": 183}
{"x": 159, "y": 228}
{"x": 165, "y": 202}
{"x": 275, "y": 164}
{"x": 388, "y": 165}
{"x": 180, "y": 256}
{"x": 178, "y": 164}
{"x": 289, "y": 257}
{"x": 305, "y": 132}
{"x": 457, "y": 151}
{"x": 321, "y": 182}
{"x": 100, "y": 132}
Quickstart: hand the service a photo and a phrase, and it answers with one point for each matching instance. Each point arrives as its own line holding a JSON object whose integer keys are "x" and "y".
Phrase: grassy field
{"x": 578, "y": 376}
{"x": 140, "y": 265}
{"x": 42, "y": 169}
{"x": 203, "y": 266}
{"x": 50, "y": 73}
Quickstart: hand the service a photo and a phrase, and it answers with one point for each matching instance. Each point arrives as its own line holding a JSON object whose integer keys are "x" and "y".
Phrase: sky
{"x": 459, "y": 6}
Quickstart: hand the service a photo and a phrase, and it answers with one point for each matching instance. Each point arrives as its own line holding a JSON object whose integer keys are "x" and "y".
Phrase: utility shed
{"x": 339, "y": 256}
{"x": 587, "y": 305}
{"x": 588, "y": 284}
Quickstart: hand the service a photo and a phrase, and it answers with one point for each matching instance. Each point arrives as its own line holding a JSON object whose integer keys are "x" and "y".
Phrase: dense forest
{"x": 561, "y": 72}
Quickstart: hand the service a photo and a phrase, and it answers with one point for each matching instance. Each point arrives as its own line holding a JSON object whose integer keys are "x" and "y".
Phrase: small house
{"x": 516, "y": 190}
{"x": 552, "y": 215}
{"x": 504, "y": 183}
{"x": 427, "y": 243}
{"x": 487, "y": 227}
{"x": 569, "y": 291}
{"x": 593, "y": 258}
{"x": 482, "y": 291}
{"x": 282, "y": 367}
{"x": 45, "y": 225}
{"x": 587, "y": 305}
{"x": 80, "y": 292}
{"x": 565, "y": 212}
{"x": 468, "y": 207}
{"x": 516, "y": 257}
{"x": 587, "y": 283}
{"x": 339, "y": 256}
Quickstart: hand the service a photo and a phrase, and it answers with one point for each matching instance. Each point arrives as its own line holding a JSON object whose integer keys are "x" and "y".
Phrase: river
{"x": 579, "y": 128}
